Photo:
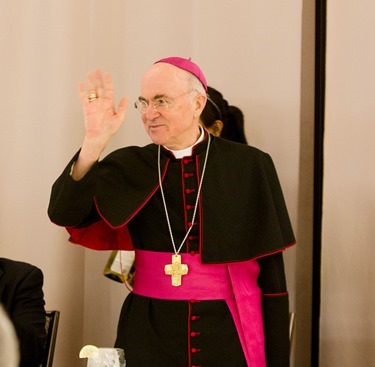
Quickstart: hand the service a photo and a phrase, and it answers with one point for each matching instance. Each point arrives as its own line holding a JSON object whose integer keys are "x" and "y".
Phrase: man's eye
{"x": 161, "y": 102}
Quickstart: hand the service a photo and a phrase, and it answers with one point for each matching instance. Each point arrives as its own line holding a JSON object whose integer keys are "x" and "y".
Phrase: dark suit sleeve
{"x": 28, "y": 316}
{"x": 275, "y": 303}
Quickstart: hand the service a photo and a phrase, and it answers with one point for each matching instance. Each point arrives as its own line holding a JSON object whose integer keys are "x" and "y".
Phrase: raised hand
{"x": 102, "y": 120}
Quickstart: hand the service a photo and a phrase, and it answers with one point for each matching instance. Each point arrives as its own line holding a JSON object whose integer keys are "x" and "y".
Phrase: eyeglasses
{"x": 160, "y": 104}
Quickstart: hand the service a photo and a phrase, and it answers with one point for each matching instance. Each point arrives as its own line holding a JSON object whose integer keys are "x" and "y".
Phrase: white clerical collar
{"x": 189, "y": 150}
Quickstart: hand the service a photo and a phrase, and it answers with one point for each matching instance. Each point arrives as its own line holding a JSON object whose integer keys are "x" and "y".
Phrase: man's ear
{"x": 216, "y": 127}
{"x": 200, "y": 102}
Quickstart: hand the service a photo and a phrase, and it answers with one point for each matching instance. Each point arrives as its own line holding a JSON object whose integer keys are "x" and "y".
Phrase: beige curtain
{"x": 250, "y": 50}
{"x": 348, "y": 277}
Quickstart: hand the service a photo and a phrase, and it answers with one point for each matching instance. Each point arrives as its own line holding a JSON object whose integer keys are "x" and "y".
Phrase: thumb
{"x": 122, "y": 106}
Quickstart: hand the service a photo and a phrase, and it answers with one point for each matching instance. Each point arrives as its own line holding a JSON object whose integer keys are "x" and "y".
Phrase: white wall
{"x": 348, "y": 275}
{"x": 250, "y": 50}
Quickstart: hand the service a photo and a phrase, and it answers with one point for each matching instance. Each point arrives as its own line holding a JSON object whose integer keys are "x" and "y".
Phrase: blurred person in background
{"x": 21, "y": 295}
{"x": 222, "y": 119}
{"x": 9, "y": 351}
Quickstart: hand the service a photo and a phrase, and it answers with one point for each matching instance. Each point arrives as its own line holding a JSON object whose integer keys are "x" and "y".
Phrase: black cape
{"x": 246, "y": 210}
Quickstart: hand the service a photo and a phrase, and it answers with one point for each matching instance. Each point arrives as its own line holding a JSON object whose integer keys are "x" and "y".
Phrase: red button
{"x": 192, "y": 253}
{"x": 194, "y": 333}
{"x": 195, "y": 318}
{"x": 195, "y": 350}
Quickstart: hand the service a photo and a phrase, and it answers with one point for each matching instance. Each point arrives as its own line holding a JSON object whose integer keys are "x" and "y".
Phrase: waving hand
{"x": 102, "y": 120}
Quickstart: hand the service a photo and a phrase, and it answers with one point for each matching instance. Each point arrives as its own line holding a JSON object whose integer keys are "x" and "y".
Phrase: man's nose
{"x": 151, "y": 112}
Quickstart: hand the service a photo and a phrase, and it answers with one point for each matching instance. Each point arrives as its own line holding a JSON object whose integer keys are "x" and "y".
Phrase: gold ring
{"x": 92, "y": 97}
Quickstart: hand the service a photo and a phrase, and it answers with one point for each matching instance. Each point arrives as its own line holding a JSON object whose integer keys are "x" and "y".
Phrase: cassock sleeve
{"x": 72, "y": 205}
{"x": 275, "y": 303}
{"x": 72, "y": 202}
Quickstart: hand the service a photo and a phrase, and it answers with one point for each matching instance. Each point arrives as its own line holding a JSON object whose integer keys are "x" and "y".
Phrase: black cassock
{"x": 241, "y": 216}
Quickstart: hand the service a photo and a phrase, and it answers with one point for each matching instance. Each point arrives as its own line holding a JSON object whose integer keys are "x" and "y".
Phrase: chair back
{"x": 52, "y": 323}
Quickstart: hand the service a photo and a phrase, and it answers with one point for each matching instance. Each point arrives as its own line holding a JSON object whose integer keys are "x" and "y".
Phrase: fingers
{"x": 83, "y": 94}
{"x": 92, "y": 77}
{"x": 108, "y": 89}
{"x": 91, "y": 86}
{"x": 121, "y": 110}
{"x": 94, "y": 83}
{"x": 99, "y": 82}
{"x": 102, "y": 85}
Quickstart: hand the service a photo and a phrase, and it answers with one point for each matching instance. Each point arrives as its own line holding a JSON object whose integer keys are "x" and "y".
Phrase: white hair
{"x": 195, "y": 83}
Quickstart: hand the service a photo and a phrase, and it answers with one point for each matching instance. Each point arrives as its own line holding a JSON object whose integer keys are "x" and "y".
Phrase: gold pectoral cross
{"x": 176, "y": 270}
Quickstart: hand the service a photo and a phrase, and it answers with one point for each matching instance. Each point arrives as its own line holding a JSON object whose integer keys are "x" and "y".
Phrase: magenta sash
{"x": 236, "y": 283}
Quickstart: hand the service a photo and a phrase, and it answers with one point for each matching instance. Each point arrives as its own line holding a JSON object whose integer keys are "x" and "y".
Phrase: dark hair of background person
{"x": 218, "y": 109}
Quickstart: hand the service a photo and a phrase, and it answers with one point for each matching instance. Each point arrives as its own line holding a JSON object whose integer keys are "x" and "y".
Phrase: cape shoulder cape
{"x": 242, "y": 209}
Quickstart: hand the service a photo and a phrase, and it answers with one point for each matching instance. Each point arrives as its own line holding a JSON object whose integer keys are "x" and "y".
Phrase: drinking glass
{"x": 107, "y": 357}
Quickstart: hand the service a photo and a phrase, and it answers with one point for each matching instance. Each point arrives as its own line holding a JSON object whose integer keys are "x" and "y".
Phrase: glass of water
{"x": 107, "y": 357}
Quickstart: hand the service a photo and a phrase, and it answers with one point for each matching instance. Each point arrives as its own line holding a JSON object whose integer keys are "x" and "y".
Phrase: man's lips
{"x": 154, "y": 127}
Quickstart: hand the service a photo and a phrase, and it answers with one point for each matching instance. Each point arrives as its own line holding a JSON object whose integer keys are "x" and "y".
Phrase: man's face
{"x": 176, "y": 126}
